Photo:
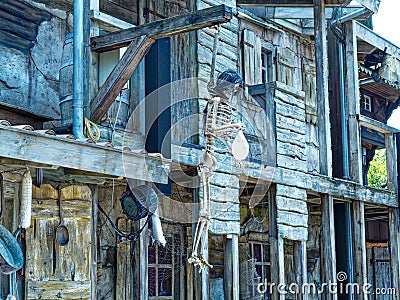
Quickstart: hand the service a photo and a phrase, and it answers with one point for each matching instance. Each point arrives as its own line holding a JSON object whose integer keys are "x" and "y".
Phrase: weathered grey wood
{"x": 119, "y": 76}
{"x": 228, "y": 268}
{"x": 293, "y": 205}
{"x": 143, "y": 262}
{"x": 360, "y": 250}
{"x": 321, "y": 184}
{"x": 205, "y": 276}
{"x": 321, "y": 62}
{"x": 281, "y": 264}
{"x": 376, "y": 125}
{"x": 235, "y": 266}
{"x": 375, "y": 40}
{"x": 290, "y": 2}
{"x": 273, "y": 239}
{"x": 353, "y": 102}
{"x": 252, "y": 57}
{"x": 295, "y": 12}
{"x": 108, "y": 21}
{"x": 51, "y": 150}
{"x": 394, "y": 249}
{"x": 93, "y": 242}
{"x": 328, "y": 267}
{"x": 292, "y": 218}
{"x": 164, "y": 28}
{"x": 300, "y": 262}
{"x": 292, "y": 233}
{"x": 391, "y": 161}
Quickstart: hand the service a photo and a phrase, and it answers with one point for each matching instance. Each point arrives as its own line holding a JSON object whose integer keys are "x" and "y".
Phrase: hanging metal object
{"x": 11, "y": 256}
{"x": 138, "y": 202}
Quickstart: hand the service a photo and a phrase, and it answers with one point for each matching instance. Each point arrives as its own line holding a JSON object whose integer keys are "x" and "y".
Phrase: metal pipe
{"x": 77, "y": 103}
{"x": 343, "y": 110}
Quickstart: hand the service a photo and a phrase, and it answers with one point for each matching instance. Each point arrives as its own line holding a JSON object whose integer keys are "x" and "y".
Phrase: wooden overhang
{"x": 253, "y": 171}
{"x": 139, "y": 40}
{"x": 369, "y": 42}
{"x": 291, "y": 2}
{"x": 372, "y": 5}
{"x": 34, "y": 147}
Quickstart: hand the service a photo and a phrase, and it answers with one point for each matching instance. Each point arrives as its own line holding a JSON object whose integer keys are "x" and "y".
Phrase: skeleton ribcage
{"x": 219, "y": 118}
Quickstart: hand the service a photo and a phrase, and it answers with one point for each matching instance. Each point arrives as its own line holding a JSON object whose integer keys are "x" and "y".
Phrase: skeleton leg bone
{"x": 207, "y": 166}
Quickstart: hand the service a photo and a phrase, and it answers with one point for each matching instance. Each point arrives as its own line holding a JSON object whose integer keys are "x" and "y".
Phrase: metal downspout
{"x": 78, "y": 70}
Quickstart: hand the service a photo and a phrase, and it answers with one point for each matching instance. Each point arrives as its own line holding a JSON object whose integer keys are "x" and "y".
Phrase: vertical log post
{"x": 231, "y": 267}
{"x": 391, "y": 165}
{"x": 394, "y": 249}
{"x": 273, "y": 240}
{"x": 360, "y": 249}
{"x": 353, "y": 104}
{"x": 143, "y": 262}
{"x": 300, "y": 261}
{"x": 93, "y": 242}
{"x": 328, "y": 244}
{"x": 321, "y": 63}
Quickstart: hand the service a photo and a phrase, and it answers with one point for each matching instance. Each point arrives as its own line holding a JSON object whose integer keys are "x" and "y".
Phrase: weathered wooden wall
{"x": 54, "y": 271}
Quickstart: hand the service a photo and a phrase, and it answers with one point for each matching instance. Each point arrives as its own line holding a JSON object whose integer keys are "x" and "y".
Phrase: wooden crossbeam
{"x": 164, "y": 28}
{"x": 119, "y": 76}
{"x": 140, "y": 40}
{"x": 291, "y": 2}
{"x": 376, "y": 125}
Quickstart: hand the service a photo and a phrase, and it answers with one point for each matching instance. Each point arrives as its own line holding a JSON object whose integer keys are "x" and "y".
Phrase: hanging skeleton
{"x": 220, "y": 122}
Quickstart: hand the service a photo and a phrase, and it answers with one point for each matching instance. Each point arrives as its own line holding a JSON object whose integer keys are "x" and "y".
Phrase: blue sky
{"x": 386, "y": 23}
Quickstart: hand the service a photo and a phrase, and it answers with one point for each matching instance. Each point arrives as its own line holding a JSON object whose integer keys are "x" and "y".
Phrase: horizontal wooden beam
{"x": 291, "y": 2}
{"x": 34, "y": 147}
{"x": 164, "y": 28}
{"x": 298, "y": 12}
{"x": 376, "y": 125}
{"x": 109, "y": 22}
{"x": 338, "y": 188}
{"x": 119, "y": 76}
{"x": 367, "y": 35}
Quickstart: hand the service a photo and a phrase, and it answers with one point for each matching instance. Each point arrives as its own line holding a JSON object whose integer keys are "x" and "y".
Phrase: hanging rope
{"x": 211, "y": 83}
{"x": 91, "y": 130}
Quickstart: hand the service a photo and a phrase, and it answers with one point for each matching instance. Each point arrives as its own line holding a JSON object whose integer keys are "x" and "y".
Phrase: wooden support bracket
{"x": 140, "y": 40}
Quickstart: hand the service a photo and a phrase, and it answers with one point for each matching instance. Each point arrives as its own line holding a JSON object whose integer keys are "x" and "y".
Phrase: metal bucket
{"x": 11, "y": 256}
{"x": 66, "y": 80}
{"x": 119, "y": 111}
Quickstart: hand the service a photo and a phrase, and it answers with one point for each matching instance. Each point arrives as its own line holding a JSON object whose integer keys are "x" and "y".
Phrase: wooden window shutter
{"x": 252, "y": 57}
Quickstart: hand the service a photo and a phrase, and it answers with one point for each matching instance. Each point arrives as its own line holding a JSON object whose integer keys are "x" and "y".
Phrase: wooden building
{"x": 320, "y": 87}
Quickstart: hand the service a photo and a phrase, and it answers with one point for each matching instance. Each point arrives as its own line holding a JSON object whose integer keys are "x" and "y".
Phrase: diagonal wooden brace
{"x": 119, "y": 76}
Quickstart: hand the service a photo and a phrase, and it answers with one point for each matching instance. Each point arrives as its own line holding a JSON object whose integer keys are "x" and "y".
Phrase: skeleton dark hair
{"x": 225, "y": 84}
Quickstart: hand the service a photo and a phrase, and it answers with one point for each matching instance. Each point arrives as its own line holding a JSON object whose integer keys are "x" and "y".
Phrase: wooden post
{"x": 144, "y": 276}
{"x": 235, "y": 266}
{"x": 93, "y": 242}
{"x": 300, "y": 261}
{"x": 321, "y": 63}
{"x": 353, "y": 103}
{"x": 328, "y": 243}
{"x": 231, "y": 267}
{"x": 394, "y": 249}
{"x": 391, "y": 163}
{"x": 281, "y": 266}
{"x": 273, "y": 240}
{"x": 228, "y": 271}
{"x": 360, "y": 250}
{"x": 205, "y": 284}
